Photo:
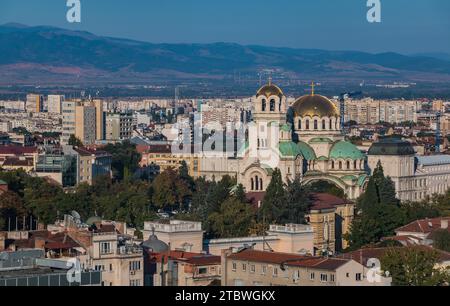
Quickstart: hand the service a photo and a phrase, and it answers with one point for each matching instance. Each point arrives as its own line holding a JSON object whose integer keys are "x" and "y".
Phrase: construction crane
{"x": 342, "y": 98}
{"x": 438, "y": 132}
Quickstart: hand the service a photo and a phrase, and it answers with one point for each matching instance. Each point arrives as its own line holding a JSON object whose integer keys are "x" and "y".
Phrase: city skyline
{"x": 301, "y": 25}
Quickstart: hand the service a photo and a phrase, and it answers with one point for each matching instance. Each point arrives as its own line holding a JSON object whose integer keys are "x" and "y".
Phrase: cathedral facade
{"x": 307, "y": 144}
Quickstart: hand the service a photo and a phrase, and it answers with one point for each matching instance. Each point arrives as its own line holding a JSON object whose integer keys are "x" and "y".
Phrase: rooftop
{"x": 434, "y": 160}
{"x": 289, "y": 259}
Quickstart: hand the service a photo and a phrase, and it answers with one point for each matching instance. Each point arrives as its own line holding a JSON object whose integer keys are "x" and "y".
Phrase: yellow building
{"x": 330, "y": 217}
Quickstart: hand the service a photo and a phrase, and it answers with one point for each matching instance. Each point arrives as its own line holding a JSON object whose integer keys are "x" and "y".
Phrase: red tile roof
{"x": 204, "y": 260}
{"x": 16, "y": 162}
{"x": 289, "y": 259}
{"x": 326, "y": 201}
{"x": 17, "y": 150}
{"x": 424, "y": 226}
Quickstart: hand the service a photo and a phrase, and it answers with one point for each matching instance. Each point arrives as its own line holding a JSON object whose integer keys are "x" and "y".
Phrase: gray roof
{"x": 155, "y": 245}
{"x": 433, "y": 160}
{"x": 391, "y": 146}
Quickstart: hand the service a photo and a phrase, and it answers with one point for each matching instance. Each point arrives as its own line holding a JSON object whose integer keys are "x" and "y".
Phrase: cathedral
{"x": 303, "y": 141}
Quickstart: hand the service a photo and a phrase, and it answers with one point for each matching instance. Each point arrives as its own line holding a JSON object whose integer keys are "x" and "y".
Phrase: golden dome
{"x": 270, "y": 90}
{"x": 315, "y": 105}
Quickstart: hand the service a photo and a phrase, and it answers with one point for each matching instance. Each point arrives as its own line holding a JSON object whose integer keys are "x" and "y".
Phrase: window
{"x": 275, "y": 272}
{"x": 135, "y": 265}
{"x": 300, "y": 124}
{"x": 135, "y": 282}
{"x": 312, "y": 276}
{"x": 358, "y": 277}
{"x": 324, "y": 125}
{"x": 272, "y": 105}
{"x": 296, "y": 275}
{"x": 252, "y": 183}
{"x": 347, "y": 275}
{"x": 332, "y": 278}
{"x": 340, "y": 165}
{"x": 202, "y": 270}
{"x": 348, "y": 165}
{"x": 244, "y": 267}
{"x": 234, "y": 266}
{"x": 332, "y": 164}
{"x": 307, "y": 124}
{"x": 263, "y": 270}
{"x": 105, "y": 248}
{"x": 323, "y": 278}
{"x": 316, "y": 125}
{"x": 263, "y": 105}
{"x": 252, "y": 269}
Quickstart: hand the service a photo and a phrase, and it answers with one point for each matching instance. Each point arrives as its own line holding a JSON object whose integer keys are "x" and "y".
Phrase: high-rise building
{"x": 85, "y": 123}
{"x": 68, "y": 120}
{"x": 35, "y": 103}
{"x": 119, "y": 126}
{"x": 54, "y": 104}
{"x": 99, "y": 119}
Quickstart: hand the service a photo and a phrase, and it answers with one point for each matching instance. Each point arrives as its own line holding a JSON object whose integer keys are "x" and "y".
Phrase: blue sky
{"x": 408, "y": 26}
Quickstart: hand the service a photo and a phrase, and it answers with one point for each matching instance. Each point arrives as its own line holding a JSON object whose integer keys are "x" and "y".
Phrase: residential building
{"x": 92, "y": 163}
{"x": 248, "y": 267}
{"x": 85, "y": 124}
{"x": 54, "y": 104}
{"x": 119, "y": 126}
{"x": 68, "y": 120}
{"x": 35, "y": 103}
{"x": 99, "y": 119}
{"x": 58, "y": 167}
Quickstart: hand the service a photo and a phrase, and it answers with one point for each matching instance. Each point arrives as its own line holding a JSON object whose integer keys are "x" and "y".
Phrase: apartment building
{"x": 119, "y": 126}
{"x": 369, "y": 111}
{"x": 34, "y": 103}
{"x": 248, "y": 267}
{"x": 85, "y": 124}
{"x": 54, "y": 104}
{"x": 92, "y": 163}
{"x": 68, "y": 120}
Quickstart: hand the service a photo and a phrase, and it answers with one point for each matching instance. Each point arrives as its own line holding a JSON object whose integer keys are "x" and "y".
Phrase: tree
{"x": 274, "y": 200}
{"x": 441, "y": 239}
{"x": 74, "y": 141}
{"x": 169, "y": 191}
{"x": 378, "y": 212}
{"x": 298, "y": 203}
{"x": 413, "y": 266}
{"x": 125, "y": 159}
{"x": 234, "y": 219}
{"x": 11, "y": 208}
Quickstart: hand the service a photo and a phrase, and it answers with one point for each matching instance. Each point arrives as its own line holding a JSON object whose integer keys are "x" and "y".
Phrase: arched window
{"x": 264, "y": 105}
{"x": 261, "y": 184}
{"x": 300, "y": 124}
{"x": 331, "y": 124}
{"x": 279, "y": 106}
{"x": 253, "y": 184}
{"x": 332, "y": 164}
{"x": 307, "y": 124}
{"x": 348, "y": 165}
{"x": 354, "y": 165}
{"x": 316, "y": 125}
{"x": 324, "y": 125}
{"x": 257, "y": 183}
{"x": 272, "y": 105}
{"x": 340, "y": 165}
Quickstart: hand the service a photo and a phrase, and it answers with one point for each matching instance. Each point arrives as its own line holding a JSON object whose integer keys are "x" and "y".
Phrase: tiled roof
{"x": 204, "y": 260}
{"x": 289, "y": 259}
{"x": 326, "y": 201}
{"x": 17, "y": 150}
{"x": 16, "y": 162}
{"x": 424, "y": 226}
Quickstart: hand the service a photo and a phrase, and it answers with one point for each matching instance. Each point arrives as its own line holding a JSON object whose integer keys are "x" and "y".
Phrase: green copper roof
{"x": 349, "y": 178}
{"x": 286, "y": 128}
{"x": 307, "y": 152}
{"x": 362, "y": 179}
{"x": 345, "y": 150}
{"x": 323, "y": 158}
{"x": 289, "y": 148}
{"x": 321, "y": 140}
{"x": 244, "y": 147}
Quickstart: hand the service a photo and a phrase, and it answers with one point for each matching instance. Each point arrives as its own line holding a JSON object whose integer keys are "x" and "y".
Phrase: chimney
{"x": 444, "y": 223}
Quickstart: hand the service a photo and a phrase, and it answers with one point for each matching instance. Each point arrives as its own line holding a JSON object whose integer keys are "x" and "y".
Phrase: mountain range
{"x": 49, "y": 54}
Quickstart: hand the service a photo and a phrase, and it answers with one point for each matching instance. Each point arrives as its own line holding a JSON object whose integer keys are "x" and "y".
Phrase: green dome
{"x": 286, "y": 128}
{"x": 289, "y": 148}
{"x": 346, "y": 150}
{"x": 307, "y": 152}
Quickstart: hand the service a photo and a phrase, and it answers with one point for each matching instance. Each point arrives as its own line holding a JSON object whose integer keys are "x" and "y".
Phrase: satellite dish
{"x": 75, "y": 215}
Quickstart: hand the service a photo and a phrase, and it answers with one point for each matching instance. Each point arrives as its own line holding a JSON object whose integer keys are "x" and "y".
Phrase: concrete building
{"x": 85, "y": 124}
{"x": 119, "y": 126}
{"x": 54, "y": 104}
{"x": 92, "y": 164}
{"x": 249, "y": 267}
{"x": 35, "y": 103}
{"x": 68, "y": 120}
